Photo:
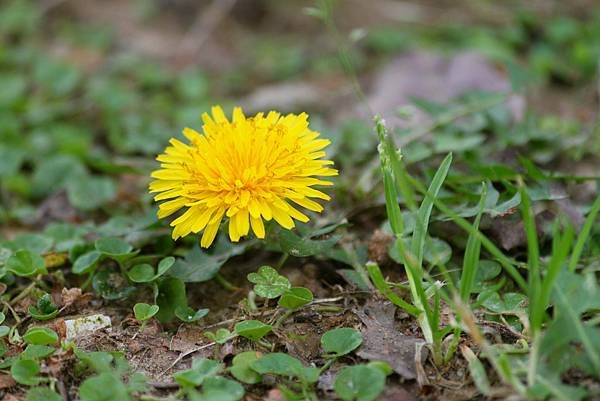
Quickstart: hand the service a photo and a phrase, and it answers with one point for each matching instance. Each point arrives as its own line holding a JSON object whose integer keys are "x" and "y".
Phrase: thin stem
{"x": 283, "y": 318}
{"x": 284, "y": 257}
{"x": 225, "y": 283}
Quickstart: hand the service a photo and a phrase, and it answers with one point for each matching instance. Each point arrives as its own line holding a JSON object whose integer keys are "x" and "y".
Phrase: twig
{"x": 186, "y": 353}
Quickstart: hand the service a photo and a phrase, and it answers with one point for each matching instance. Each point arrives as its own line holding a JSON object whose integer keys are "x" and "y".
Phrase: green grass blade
{"x": 477, "y": 370}
{"x": 472, "y": 252}
{"x": 584, "y": 234}
{"x": 401, "y": 176}
{"x": 560, "y": 251}
{"x": 424, "y": 213}
{"x": 383, "y": 287}
{"x": 536, "y": 309}
{"x": 386, "y": 155}
{"x": 505, "y": 261}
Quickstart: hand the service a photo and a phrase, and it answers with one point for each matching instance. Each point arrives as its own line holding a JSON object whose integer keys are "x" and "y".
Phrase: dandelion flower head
{"x": 246, "y": 171}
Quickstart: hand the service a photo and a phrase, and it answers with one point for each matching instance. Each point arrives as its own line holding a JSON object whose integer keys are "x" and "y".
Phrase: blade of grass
{"x": 472, "y": 252}
{"x": 477, "y": 370}
{"x": 507, "y": 263}
{"x": 391, "y": 195}
{"x": 424, "y": 213}
{"x": 381, "y": 285}
{"x": 561, "y": 245}
{"x": 533, "y": 262}
{"x": 584, "y": 234}
{"x": 387, "y": 154}
{"x": 401, "y": 176}
{"x": 560, "y": 250}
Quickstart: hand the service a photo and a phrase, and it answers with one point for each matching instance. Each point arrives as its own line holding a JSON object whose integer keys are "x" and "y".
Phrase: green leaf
{"x": 142, "y": 273}
{"x": 584, "y": 234}
{"x": 511, "y": 302}
{"x": 268, "y": 283}
{"x": 87, "y": 262}
{"x": 10, "y": 161}
{"x": 472, "y": 253}
{"x": 42, "y": 394}
{"x": 477, "y": 370}
{"x": 165, "y": 265}
{"x": 54, "y": 172}
{"x": 36, "y": 243}
{"x": 437, "y": 251}
{"x": 171, "y": 296}
{"x": 144, "y": 311}
{"x": 2, "y": 317}
{"x": 34, "y": 351}
{"x": 40, "y": 336}
{"x": 382, "y": 286}
{"x": 44, "y": 310}
{"x": 252, "y": 329}
{"x": 25, "y": 371}
{"x": 103, "y": 387}
{"x": 281, "y": 364}
{"x": 381, "y": 365}
{"x": 189, "y": 315}
{"x": 221, "y": 336}
{"x": 424, "y": 213}
{"x": 99, "y": 361}
{"x": 487, "y": 270}
{"x": 359, "y": 382}
{"x": 297, "y": 246}
{"x": 202, "y": 368}
{"x": 341, "y": 341}
{"x": 37, "y": 315}
{"x": 221, "y": 389}
{"x": 573, "y": 295}
{"x": 59, "y": 77}
{"x": 25, "y": 263}
{"x": 202, "y": 265}
{"x": 88, "y": 193}
{"x": 295, "y": 298}
{"x": 241, "y": 367}
{"x": 112, "y": 246}
{"x": 4, "y": 330}
{"x": 111, "y": 285}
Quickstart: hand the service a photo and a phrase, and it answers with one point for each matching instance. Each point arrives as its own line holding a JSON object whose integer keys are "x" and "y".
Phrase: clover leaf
{"x": 341, "y": 341}
{"x": 295, "y": 298}
{"x": 144, "y": 311}
{"x": 268, "y": 283}
{"x": 25, "y": 263}
{"x": 360, "y": 383}
{"x": 253, "y": 329}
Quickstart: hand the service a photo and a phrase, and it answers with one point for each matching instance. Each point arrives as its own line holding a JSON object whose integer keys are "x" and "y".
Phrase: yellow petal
{"x": 209, "y": 234}
{"x": 258, "y": 227}
{"x": 283, "y": 218}
{"x": 242, "y": 222}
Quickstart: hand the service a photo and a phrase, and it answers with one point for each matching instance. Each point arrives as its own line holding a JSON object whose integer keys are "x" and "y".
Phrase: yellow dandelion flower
{"x": 247, "y": 170}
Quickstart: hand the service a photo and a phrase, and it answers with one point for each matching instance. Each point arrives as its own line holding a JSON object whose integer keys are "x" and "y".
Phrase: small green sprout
{"x": 144, "y": 312}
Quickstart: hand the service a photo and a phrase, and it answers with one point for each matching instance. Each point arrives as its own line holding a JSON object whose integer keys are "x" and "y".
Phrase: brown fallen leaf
{"x": 438, "y": 78}
{"x": 6, "y": 381}
{"x": 382, "y": 341}
{"x": 70, "y": 295}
